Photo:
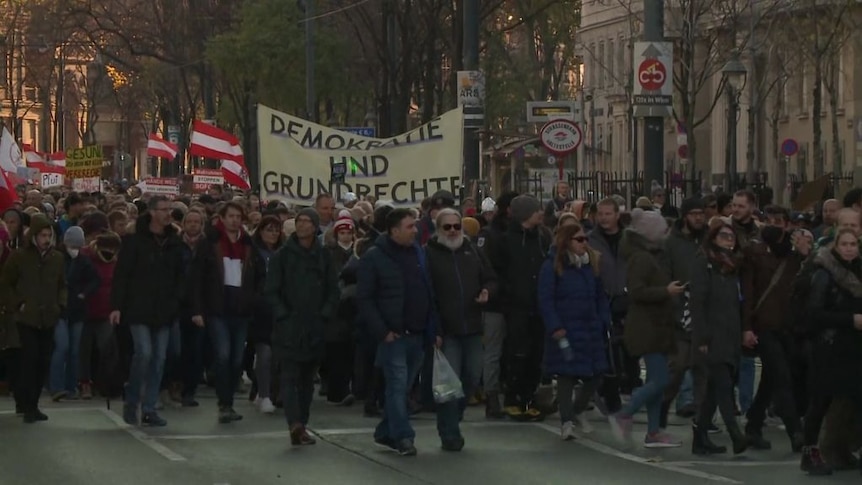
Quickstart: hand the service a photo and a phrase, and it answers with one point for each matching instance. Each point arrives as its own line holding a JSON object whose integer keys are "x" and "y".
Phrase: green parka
{"x": 33, "y": 284}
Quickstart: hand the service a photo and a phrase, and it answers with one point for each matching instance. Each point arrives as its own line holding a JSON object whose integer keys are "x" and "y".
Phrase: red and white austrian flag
{"x": 211, "y": 142}
{"x": 159, "y": 147}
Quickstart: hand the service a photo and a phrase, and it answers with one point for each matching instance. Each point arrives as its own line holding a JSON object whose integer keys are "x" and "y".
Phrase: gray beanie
{"x": 74, "y": 237}
{"x": 649, "y": 224}
{"x": 523, "y": 207}
{"x": 311, "y": 214}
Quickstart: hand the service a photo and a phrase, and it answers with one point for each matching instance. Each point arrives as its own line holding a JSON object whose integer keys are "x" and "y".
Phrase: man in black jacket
{"x": 463, "y": 281}
{"x": 493, "y": 322}
{"x": 517, "y": 260}
{"x": 396, "y": 303}
{"x": 147, "y": 288}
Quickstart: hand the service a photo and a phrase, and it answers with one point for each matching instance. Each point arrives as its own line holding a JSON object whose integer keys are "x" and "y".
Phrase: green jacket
{"x": 302, "y": 289}
{"x": 33, "y": 285}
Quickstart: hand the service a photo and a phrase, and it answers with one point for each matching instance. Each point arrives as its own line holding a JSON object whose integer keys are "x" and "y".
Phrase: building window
{"x": 601, "y": 59}
{"x": 592, "y": 67}
{"x": 612, "y": 77}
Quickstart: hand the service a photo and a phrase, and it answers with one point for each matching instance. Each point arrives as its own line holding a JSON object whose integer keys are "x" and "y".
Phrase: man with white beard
{"x": 463, "y": 280}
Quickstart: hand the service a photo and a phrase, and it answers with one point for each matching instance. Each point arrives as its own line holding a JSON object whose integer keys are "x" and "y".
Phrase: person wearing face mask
{"x": 33, "y": 288}
{"x": 82, "y": 281}
{"x": 835, "y": 309}
{"x": 771, "y": 264}
{"x": 98, "y": 332}
{"x": 716, "y": 330}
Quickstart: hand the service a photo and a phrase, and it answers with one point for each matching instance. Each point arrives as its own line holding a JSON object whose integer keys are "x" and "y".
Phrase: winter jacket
{"x": 489, "y": 238}
{"x": 35, "y": 281}
{"x": 612, "y": 265}
{"x": 517, "y": 260}
{"x": 8, "y": 329}
{"x": 680, "y": 256}
{"x": 216, "y": 299}
{"x": 261, "y": 327}
{"x": 302, "y": 289}
{"x": 458, "y": 277}
{"x": 716, "y": 316}
{"x": 836, "y": 295}
{"x": 425, "y": 229}
{"x": 745, "y": 234}
{"x": 577, "y": 303}
{"x": 380, "y": 291}
{"x": 81, "y": 282}
{"x": 761, "y": 263}
{"x": 340, "y": 328}
{"x": 649, "y": 326}
{"x": 99, "y": 302}
{"x": 149, "y": 279}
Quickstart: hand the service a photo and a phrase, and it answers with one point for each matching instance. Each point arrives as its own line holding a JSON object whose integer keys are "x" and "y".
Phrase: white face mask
{"x": 73, "y": 252}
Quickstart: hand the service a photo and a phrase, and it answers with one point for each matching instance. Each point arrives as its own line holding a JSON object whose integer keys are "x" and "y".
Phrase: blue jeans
{"x": 64, "y": 360}
{"x": 746, "y": 383}
{"x": 228, "y": 339}
{"x": 148, "y": 363}
{"x": 400, "y": 360}
{"x": 651, "y": 393}
{"x": 465, "y": 355}
{"x": 686, "y": 392}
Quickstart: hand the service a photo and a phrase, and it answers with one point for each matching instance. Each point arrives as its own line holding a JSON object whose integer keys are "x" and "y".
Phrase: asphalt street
{"x": 83, "y": 443}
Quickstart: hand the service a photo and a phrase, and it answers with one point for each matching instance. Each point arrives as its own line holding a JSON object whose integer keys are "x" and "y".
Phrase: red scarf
{"x": 230, "y": 249}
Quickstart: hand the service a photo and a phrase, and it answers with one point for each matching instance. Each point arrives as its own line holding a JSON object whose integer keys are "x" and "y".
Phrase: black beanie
{"x": 691, "y": 204}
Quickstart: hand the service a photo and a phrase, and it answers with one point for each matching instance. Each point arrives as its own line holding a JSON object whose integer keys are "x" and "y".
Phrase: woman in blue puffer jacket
{"x": 576, "y": 312}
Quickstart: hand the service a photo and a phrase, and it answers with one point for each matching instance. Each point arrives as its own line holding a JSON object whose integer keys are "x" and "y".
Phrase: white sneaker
{"x": 583, "y": 424}
{"x": 266, "y": 406}
{"x": 567, "y": 431}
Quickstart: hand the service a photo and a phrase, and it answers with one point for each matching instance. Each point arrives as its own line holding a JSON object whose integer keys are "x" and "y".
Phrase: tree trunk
{"x": 832, "y": 89}
{"x": 816, "y": 108}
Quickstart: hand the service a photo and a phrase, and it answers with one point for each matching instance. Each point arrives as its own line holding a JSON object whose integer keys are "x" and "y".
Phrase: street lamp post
{"x": 733, "y": 75}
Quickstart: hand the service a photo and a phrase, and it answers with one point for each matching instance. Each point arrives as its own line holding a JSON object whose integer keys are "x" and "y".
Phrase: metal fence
{"x": 595, "y": 186}
{"x": 837, "y": 184}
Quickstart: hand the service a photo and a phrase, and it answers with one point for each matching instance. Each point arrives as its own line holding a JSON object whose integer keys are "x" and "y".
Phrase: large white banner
{"x": 297, "y": 159}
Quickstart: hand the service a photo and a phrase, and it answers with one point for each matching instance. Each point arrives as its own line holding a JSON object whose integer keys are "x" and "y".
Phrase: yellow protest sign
{"x": 299, "y": 160}
{"x": 84, "y": 162}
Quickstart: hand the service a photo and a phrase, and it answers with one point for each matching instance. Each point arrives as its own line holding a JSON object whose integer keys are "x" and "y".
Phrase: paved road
{"x": 83, "y": 444}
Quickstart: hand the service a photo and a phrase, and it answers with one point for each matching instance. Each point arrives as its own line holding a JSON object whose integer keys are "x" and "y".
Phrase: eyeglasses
{"x": 580, "y": 239}
{"x": 449, "y": 227}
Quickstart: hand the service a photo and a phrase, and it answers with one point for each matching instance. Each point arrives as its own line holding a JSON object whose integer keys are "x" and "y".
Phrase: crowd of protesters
{"x": 539, "y": 310}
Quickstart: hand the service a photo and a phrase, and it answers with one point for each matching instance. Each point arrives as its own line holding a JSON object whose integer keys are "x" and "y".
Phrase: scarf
{"x": 230, "y": 249}
{"x": 579, "y": 261}
{"x": 724, "y": 259}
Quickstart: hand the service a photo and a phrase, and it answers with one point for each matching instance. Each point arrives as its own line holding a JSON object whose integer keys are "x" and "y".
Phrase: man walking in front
{"x": 147, "y": 286}
{"x": 395, "y": 301}
{"x": 302, "y": 287}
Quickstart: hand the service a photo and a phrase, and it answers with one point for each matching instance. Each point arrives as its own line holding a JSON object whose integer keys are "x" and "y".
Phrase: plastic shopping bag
{"x": 445, "y": 382}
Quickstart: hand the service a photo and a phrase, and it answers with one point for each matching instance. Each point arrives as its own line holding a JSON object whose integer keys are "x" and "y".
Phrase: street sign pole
{"x": 653, "y": 31}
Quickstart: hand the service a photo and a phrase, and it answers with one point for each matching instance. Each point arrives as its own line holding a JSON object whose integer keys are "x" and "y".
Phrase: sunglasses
{"x": 449, "y": 227}
{"x": 580, "y": 239}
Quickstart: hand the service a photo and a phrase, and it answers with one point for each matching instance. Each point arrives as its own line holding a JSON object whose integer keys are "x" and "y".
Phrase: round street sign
{"x": 552, "y": 159}
{"x": 652, "y": 75}
{"x": 789, "y": 147}
{"x": 561, "y": 137}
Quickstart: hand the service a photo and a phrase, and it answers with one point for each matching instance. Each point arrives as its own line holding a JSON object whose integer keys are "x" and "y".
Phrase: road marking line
{"x": 607, "y": 450}
{"x": 144, "y": 438}
{"x": 318, "y": 432}
{"x": 55, "y": 409}
{"x": 732, "y": 463}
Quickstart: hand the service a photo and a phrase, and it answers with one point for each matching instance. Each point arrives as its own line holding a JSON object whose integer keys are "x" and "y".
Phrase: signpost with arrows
{"x": 653, "y": 67}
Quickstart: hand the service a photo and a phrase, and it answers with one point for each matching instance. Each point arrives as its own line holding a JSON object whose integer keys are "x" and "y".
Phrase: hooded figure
{"x": 33, "y": 290}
